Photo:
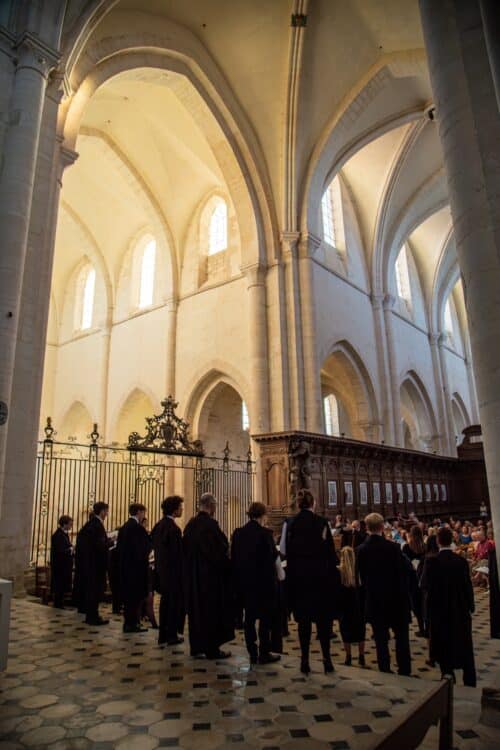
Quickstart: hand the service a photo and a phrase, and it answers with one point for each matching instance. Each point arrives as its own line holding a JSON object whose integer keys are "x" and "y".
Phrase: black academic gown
{"x": 133, "y": 547}
{"x": 384, "y": 576}
{"x": 61, "y": 564}
{"x": 253, "y": 555}
{"x": 450, "y": 603}
{"x": 207, "y": 572}
{"x": 169, "y": 576}
{"x": 313, "y": 577}
{"x": 91, "y": 559}
{"x": 494, "y": 595}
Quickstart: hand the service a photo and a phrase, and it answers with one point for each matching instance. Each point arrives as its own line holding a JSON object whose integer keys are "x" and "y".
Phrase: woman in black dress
{"x": 414, "y": 550}
{"x": 352, "y": 622}
{"x": 313, "y": 578}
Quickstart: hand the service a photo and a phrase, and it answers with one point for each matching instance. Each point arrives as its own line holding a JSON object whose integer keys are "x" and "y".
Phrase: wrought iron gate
{"x": 71, "y": 477}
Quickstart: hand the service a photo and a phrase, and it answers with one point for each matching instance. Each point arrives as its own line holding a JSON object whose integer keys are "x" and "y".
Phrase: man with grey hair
{"x": 207, "y": 569}
{"x": 383, "y": 574}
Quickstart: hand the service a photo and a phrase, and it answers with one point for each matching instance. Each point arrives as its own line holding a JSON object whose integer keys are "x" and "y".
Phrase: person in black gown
{"x": 133, "y": 548}
{"x": 253, "y": 557}
{"x": 91, "y": 563}
{"x": 450, "y": 602}
{"x": 207, "y": 570}
{"x": 61, "y": 561}
{"x": 414, "y": 550}
{"x": 383, "y": 572}
{"x": 352, "y": 621}
{"x": 313, "y": 578}
{"x": 169, "y": 571}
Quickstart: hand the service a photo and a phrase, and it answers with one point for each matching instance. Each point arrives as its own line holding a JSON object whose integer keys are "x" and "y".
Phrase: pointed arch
{"x": 131, "y": 413}
{"x": 76, "y": 423}
{"x": 173, "y": 47}
{"x": 417, "y": 411}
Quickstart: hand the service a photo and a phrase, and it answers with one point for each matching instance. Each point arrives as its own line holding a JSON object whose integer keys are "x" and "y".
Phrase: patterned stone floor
{"x": 72, "y": 686}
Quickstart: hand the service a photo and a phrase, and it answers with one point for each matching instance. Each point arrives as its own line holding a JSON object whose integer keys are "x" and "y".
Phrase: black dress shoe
{"x": 134, "y": 629}
{"x": 328, "y": 666}
{"x": 219, "y": 655}
{"x": 269, "y": 658}
{"x": 99, "y": 621}
{"x": 304, "y": 666}
{"x": 175, "y": 641}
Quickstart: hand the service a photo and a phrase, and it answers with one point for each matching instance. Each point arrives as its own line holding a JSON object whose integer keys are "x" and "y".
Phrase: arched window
{"x": 403, "y": 285}
{"x": 147, "y": 274}
{"x": 331, "y": 413}
{"x": 245, "y": 420}
{"x": 332, "y": 215}
{"x": 87, "y": 287}
{"x": 448, "y": 320}
{"x": 217, "y": 234}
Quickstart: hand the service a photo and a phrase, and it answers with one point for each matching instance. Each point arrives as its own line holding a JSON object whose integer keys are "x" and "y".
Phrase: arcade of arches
{"x": 215, "y": 205}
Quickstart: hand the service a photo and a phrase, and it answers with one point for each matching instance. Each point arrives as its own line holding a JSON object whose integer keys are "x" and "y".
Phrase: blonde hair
{"x": 347, "y": 567}
{"x": 374, "y": 523}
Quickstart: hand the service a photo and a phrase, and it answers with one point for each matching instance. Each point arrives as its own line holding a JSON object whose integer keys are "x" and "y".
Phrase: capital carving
{"x": 32, "y": 53}
{"x": 388, "y": 301}
{"x": 255, "y": 275}
{"x": 377, "y": 301}
{"x": 308, "y": 245}
{"x": 289, "y": 245}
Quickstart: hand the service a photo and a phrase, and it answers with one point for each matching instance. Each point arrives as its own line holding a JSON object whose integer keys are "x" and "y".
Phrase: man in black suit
{"x": 450, "y": 603}
{"x": 61, "y": 561}
{"x": 253, "y": 555}
{"x": 91, "y": 564}
{"x": 384, "y": 578}
{"x": 133, "y": 548}
{"x": 169, "y": 572}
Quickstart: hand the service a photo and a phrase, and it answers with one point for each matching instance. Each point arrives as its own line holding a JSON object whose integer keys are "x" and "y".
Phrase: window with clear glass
{"x": 331, "y": 413}
{"x": 217, "y": 237}
{"x": 448, "y": 320}
{"x": 403, "y": 276}
{"x": 88, "y": 294}
{"x": 245, "y": 420}
{"x": 147, "y": 274}
{"x": 327, "y": 213}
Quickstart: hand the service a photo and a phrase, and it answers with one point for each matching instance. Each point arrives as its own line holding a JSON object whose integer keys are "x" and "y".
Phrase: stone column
{"x": 468, "y": 120}
{"x": 289, "y": 245}
{"x": 20, "y": 148}
{"x": 447, "y": 432}
{"x": 16, "y": 514}
{"x": 383, "y": 368}
{"x": 312, "y": 380}
{"x": 259, "y": 376}
{"x": 171, "y": 334}
{"x": 388, "y": 305}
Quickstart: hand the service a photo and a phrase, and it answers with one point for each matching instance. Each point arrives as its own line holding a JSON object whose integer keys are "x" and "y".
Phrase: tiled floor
{"x": 70, "y": 686}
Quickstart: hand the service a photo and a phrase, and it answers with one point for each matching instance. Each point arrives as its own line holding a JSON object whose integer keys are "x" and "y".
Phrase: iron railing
{"x": 71, "y": 477}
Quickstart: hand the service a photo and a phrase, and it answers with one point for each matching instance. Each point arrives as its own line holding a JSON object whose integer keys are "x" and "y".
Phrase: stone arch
{"x": 351, "y": 128}
{"x": 131, "y": 414}
{"x": 101, "y": 309}
{"x": 344, "y": 374}
{"x": 76, "y": 424}
{"x": 204, "y": 382}
{"x": 417, "y": 413}
{"x": 173, "y": 47}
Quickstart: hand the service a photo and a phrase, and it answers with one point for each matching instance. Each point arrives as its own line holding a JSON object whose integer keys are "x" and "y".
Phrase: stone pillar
{"x": 445, "y": 419}
{"x": 449, "y": 444}
{"x": 386, "y": 404}
{"x": 104, "y": 427}
{"x": 289, "y": 244}
{"x": 312, "y": 379}
{"x": 388, "y": 304}
{"x": 171, "y": 334}
{"x": 259, "y": 376}
{"x": 20, "y": 148}
{"x": 16, "y": 514}
{"x": 469, "y": 124}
